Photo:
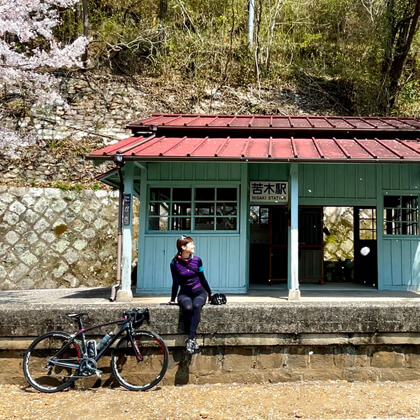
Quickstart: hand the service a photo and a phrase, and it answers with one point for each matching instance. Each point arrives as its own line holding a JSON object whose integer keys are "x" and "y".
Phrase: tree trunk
{"x": 163, "y": 9}
{"x": 401, "y": 34}
{"x": 85, "y": 19}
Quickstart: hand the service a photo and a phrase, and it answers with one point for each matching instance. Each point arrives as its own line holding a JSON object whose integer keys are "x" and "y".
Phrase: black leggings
{"x": 191, "y": 305}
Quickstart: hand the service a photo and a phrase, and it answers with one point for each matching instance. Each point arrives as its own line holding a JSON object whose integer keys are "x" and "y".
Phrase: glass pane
{"x": 181, "y": 194}
{"x": 227, "y": 194}
{"x": 226, "y": 209}
{"x": 160, "y": 194}
{"x": 158, "y": 223}
{"x": 409, "y": 202}
{"x": 367, "y": 214}
{"x": 159, "y": 209}
{"x": 181, "y": 209}
{"x": 181, "y": 223}
{"x": 367, "y": 224}
{"x": 409, "y": 229}
{"x": 392, "y": 228}
{"x": 264, "y": 212}
{"x": 367, "y": 234}
{"x": 226, "y": 223}
{"x": 254, "y": 215}
{"x": 392, "y": 201}
{"x": 204, "y": 223}
{"x": 202, "y": 194}
{"x": 204, "y": 209}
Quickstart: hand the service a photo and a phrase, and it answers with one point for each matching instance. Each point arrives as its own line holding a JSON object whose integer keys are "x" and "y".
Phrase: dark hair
{"x": 182, "y": 241}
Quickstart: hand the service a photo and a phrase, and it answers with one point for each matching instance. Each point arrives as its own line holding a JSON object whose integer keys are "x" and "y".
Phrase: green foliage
{"x": 68, "y": 187}
{"x": 334, "y": 48}
{"x": 56, "y": 144}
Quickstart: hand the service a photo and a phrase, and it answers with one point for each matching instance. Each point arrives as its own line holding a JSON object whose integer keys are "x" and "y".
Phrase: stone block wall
{"x": 52, "y": 238}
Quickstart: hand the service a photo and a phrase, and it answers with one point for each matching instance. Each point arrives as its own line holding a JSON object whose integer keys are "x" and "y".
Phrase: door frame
{"x": 357, "y": 240}
{"x": 320, "y": 246}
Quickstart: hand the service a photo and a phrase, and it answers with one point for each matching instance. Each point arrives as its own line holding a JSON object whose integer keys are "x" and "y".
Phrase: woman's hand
{"x": 171, "y": 302}
{"x": 211, "y": 295}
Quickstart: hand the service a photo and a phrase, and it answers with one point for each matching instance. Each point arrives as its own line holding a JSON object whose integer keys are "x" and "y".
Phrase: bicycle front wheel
{"x": 144, "y": 374}
{"x": 38, "y": 362}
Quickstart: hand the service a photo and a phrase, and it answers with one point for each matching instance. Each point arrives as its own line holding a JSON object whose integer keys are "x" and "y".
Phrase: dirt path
{"x": 314, "y": 400}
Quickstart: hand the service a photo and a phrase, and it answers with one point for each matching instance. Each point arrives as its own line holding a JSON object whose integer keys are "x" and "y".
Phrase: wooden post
{"x": 244, "y": 227}
{"x": 125, "y": 294}
{"x": 293, "y": 240}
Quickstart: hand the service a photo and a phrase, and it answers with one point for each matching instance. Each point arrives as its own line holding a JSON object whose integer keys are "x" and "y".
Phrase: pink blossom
{"x": 28, "y": 69}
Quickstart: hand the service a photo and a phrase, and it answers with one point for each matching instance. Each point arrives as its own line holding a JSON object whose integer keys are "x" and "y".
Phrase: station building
{"x": 253, "y": 192}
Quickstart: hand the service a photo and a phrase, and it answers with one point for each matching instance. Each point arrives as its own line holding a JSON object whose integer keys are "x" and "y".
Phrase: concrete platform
{"x": 266, "y": 294}
{"x": 28, "y": 313}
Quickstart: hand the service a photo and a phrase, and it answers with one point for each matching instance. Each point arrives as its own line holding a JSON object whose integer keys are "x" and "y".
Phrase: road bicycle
{"x": 56, "y": 359}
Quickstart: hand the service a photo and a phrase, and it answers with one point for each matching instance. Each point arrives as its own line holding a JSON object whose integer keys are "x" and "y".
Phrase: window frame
{"x": 193, "y": 216}
{"x": 401, "y": 222}
{"x": 372, "y": 220}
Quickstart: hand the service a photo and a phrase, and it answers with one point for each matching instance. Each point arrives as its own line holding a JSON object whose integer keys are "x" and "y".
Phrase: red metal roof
{"x": 275, "y": 122}
{"x": 273, "y": 138}
{"x": 276, "y": 149}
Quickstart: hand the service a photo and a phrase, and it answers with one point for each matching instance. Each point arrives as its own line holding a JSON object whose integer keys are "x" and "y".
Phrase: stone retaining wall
{"x": 249, "y": 342}
{"x": 51, "y": 238}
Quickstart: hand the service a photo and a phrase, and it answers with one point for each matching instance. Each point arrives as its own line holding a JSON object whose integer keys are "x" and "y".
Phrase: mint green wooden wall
{"x": 398, "y": 256}
{"x": 225, "y": 256}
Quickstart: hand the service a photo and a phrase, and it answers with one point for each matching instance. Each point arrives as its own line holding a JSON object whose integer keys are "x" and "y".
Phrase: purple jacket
{"x": 188, "y": 275}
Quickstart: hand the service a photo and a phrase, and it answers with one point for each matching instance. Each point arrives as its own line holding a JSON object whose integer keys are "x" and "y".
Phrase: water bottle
{"x": 104, "y": 341}
{"x": 91, "y": 348}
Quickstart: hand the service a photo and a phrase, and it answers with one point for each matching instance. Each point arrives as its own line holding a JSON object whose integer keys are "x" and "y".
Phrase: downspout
{"x": 119, "y": 161}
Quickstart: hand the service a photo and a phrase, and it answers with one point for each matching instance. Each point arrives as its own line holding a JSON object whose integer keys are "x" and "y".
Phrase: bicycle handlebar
{"x": 137, "y": 316}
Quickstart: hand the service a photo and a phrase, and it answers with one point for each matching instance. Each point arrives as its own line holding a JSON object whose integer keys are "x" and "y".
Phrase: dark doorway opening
{"x": 336, "y": 245}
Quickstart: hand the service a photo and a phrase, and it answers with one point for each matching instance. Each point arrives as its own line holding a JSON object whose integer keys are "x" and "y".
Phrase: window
{"x": 401, "y": 215}
{"x": 258, "y": 215}
{"x": 188, "y": 209}
{"x": 367, "y": 223}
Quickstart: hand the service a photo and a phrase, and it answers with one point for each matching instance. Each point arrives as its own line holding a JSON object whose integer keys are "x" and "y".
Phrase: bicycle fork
{"x": 135, "y": 345}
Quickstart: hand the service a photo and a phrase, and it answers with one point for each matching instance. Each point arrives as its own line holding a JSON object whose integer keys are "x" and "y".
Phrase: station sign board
{"x": 269, "y": 192}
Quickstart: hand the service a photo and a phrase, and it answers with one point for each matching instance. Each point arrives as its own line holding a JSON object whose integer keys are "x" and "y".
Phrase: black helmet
{"x": 218, "y": 299}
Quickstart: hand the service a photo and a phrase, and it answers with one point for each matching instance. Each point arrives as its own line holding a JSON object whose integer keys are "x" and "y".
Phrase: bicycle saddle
{"x": 77, "y": 316}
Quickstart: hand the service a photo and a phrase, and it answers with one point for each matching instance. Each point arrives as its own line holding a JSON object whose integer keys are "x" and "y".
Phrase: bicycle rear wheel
{"x": 38, "y": 369}
{"x": 140, "y": 375}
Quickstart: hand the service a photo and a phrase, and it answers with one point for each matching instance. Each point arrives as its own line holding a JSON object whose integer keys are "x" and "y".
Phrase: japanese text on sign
{"x": 126, "y": 209}
{"x": 269, "y": 191}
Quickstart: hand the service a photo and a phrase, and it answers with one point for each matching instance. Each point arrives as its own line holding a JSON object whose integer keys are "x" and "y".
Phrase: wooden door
{"x": 278, "y": 222}
{"x": 365, "y": 246}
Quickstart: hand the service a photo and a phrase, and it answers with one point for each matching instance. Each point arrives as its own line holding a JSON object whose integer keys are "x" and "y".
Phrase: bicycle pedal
{"x": 98, "y": 373}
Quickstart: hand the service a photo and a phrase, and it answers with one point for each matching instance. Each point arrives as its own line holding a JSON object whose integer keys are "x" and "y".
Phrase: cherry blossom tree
{"x": 29, "y": 53}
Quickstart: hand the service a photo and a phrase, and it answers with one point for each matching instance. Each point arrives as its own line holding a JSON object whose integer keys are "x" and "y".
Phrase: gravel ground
{"x": 305, "y": 400}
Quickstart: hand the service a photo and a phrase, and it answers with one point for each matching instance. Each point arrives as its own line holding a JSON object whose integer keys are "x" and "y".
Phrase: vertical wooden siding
{"x": 334, "y": 181}
{"x": 220, "y": 255}
{"x": 324, "y": 181}
{"x": 401, "y": 177}
{"x": 401, "y": 270}
{"x": 398, "y": 256}
{"x": 194, "y": 171}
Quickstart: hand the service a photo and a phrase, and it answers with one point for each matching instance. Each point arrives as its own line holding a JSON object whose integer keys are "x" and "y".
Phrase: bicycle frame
{"x": 127, "y": 327}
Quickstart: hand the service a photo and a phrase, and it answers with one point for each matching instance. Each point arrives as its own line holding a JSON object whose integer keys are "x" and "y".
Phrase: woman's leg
{"x": 198, "y": 302}
{"x": 187, "y": 308}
